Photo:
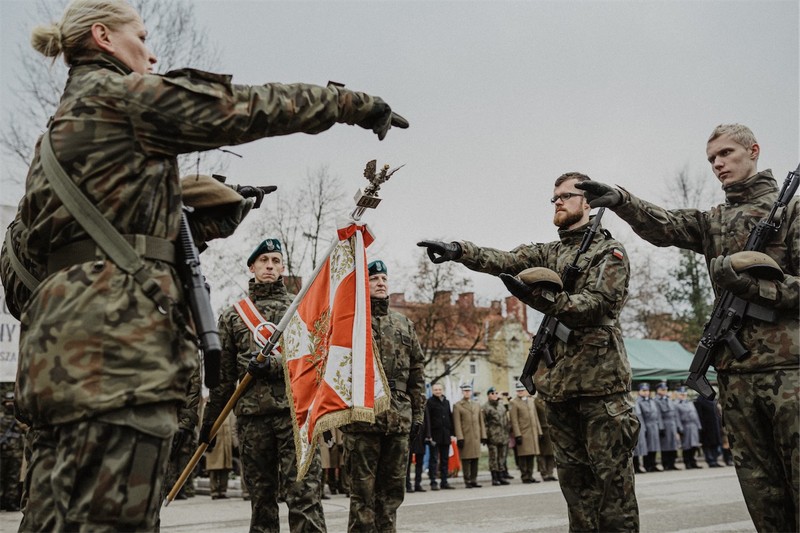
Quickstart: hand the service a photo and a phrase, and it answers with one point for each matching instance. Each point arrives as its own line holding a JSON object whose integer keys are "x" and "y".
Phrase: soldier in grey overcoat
{"x": 640, "y": 452}
{"x": 470, "y": 430}
{"x": 759, "y": 393}
{"x": 689, "y": 428}
{"x": 668, "y": 436}
{"x": 526, "y": 430}
{"x": 651, "y": 416}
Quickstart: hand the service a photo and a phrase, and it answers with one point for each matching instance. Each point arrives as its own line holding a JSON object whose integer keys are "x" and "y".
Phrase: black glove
{"x": 205, "y": 436}
{"x": 439, "y": 252}
{"x": 327, "y": 438}
{"x": 599, "y": 194}
{"x": 258, "y": 193}
{"x": 381, "y": 118}
{"x": 484, "y": 441}
{"x": 415, "y": 427}
{"x": 178, "y": 440}
{"x": 460, "y": 444}
{"x": 516, "y": 287}
{"x": 261, "y": 370}
{"x": 518, "y": 440}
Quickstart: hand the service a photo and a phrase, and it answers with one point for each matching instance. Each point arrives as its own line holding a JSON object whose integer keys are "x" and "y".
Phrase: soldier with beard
{"x": 589, "y": 409}
{"x": 263, "y": 415}
{"x": 760, "y": 393}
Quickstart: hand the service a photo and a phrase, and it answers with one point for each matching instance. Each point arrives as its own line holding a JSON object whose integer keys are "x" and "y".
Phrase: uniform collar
{"x": 99, "y": 59}
{"x": 380, "y": 306}
{"x": 266, "y": 291}
{"x": 753, "y": 187}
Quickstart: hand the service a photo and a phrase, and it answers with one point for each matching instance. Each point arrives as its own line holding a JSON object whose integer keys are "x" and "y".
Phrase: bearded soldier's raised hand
{"x": 599, "y": 194}
{"x": 439, "y": 252}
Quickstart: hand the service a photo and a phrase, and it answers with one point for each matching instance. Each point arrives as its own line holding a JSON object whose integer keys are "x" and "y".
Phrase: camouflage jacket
{"x": 725, "y": 230}
{"x": 262, "y": 397}
{"x": 495, "y": 418}
{"x": 94, "y": 342}
{"x": 189, "y": 414}
{"x": 594, "y": 363}
{"x": 401, "y": 356}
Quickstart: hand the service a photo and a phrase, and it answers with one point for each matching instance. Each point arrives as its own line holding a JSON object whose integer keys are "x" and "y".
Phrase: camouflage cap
{"x": 757, "y": 264}
{"x": 541, "y": 275}
{"x": 265, "y": 246}
{"x": 201, "y": 191}
{"x": 377, "y": 267}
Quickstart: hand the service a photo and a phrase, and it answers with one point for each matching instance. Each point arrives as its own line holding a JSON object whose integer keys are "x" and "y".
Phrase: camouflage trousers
{"x": 10, "y": 470}
{"x": 497, "y": 455}
{"x": 270, "y": 467}
{"x": 593, "y": 441}
{"x": 760, "y": 412}
{"x": 376, "y": 463}
{"x": 94, "y": 476}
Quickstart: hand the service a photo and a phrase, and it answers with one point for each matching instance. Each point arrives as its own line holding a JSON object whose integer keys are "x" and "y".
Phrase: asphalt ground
{"x": 706, "y": 500}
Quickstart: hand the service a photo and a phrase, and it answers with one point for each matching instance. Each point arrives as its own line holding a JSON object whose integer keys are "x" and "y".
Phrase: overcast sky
{"x": 503, "y": 97}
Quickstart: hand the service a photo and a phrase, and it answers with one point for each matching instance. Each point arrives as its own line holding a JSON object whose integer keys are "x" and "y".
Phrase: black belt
{"x": 397, "y": 385}
{"x": 87, "y": 250}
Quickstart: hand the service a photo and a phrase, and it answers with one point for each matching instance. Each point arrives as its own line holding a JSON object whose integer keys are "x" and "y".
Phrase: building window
{"x": 473, "y": 368}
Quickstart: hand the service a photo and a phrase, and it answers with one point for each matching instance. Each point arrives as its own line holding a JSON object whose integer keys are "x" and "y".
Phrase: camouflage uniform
{"x": 589, "y": 410}
{"x": 376, "y": 454}
{"x": 495, "y": 418}
{"x": 264, "y": 423}
{"x": 759, "y": 394}
{"x": 97, "y": 359}
{"x": 188, "y": 419}
{"x": 11, "y": 450}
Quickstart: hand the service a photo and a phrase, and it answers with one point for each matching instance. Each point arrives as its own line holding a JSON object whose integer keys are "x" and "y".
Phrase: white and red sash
{"x": 259, "y": 326}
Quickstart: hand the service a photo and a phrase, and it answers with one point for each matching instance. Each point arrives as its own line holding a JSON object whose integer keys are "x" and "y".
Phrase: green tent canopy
{"x": 653, "y": 360}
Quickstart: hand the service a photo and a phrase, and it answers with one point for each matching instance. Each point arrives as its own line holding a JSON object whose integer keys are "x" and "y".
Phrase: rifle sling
{"x": 25, "y": 276}
{"x": 98, "y": 227}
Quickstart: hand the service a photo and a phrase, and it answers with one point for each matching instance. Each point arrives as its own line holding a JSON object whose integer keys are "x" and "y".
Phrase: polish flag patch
{"x": 616, "y": 252}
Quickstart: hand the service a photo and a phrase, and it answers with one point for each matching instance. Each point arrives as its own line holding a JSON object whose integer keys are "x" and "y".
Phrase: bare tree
{"x": 174, "y": 37}
{"x": 325, "y": 198}
{"x": 448, "y": 334}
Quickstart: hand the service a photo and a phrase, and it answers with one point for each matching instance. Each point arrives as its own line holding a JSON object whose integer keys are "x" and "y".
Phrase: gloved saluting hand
{"x": 249, "y": 191}
{"x": 599, "y": 194}
{"x": 368, "y": 112}
{"x": 439, "y": 252}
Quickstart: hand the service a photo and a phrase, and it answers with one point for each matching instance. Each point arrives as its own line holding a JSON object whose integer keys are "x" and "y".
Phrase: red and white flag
{"x": 333, "y": 375}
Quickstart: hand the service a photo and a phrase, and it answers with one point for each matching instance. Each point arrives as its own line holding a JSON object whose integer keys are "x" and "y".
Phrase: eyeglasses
{"x": 564, "y": 196}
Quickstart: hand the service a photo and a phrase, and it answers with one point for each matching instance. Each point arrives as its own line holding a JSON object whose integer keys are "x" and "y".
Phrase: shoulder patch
{"x": 616, "y": 252}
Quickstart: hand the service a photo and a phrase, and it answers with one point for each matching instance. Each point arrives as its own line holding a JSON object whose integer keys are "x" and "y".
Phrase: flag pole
{"x": 366, "y": 199}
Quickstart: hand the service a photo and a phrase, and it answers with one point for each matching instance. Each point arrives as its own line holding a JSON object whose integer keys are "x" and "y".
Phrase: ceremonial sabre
{"x": 366, "y": 199}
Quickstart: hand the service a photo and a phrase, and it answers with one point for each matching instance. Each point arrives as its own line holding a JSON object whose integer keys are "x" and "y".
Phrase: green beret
{"x": 377, "y": 267}
{"x": 266, "y": 246}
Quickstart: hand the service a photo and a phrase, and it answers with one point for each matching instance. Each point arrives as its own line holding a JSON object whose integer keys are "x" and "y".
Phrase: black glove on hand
{"x": 599, "y": 194}
{"x": 484, "y": 441}
{"x": 518, "y": 440}
{"x": 327, "y": 438}
{"x": 381, "y": 118}
{"x": 439, "y": 252}
{"x": 205, "y": 436}
{"x": 258, "y": 370}
{"x": 415, "y": 427}
{"x": 178, "y": 440}
{"x": 516, "y": 287}
{"x": 460, "y": 444}
{"x": 258, "y": 193}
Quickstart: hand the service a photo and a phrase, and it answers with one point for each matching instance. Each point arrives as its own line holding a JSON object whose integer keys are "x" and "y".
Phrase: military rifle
{"x": 551, "y": 327}
{"x": 730, "y": 310}
{"x": 198, "y": 295}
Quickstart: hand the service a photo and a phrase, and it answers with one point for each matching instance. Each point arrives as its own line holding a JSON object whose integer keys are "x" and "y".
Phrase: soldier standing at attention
{"x": 102, "y": 368}
{"x": 589, "y": 409}
{"x": 526, "y": 430}
{"x": 263, "y": 415}
{"x": 760, "y": 393}
{"x": 689, "y": 429}
{"x": 495, "y": 418}
{"x": 470, "y": 431}
{"x": 669, "y": 433}
{"x": 377, "y": 453}
{"x": 12, "y": 446}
